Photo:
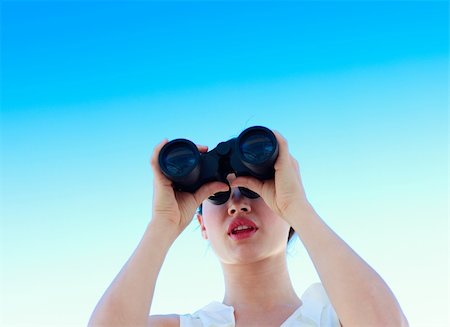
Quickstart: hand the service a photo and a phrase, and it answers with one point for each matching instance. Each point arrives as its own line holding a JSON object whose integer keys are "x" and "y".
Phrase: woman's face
{"x": 243, "y": 230}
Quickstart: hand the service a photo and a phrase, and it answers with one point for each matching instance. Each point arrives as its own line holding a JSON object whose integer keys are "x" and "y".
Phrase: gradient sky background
{"x": 359, "y": 89}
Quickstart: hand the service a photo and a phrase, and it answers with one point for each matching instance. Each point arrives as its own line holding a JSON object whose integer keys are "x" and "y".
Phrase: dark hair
{"x": 291, "y": 230}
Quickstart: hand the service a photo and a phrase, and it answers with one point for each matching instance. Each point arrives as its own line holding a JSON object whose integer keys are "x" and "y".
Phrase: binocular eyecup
{"x": 252, "y": 153}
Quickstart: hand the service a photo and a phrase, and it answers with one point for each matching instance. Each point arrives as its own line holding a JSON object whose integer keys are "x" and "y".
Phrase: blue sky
{"x": 360, "y": 90}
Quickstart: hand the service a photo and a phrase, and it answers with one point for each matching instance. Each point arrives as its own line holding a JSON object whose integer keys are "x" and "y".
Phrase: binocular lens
{"x": 257, "y": 148}
{"x": 179, "y": 161}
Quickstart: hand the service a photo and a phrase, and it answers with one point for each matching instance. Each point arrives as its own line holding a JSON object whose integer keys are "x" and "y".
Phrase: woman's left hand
{"x": 284, "y": 193}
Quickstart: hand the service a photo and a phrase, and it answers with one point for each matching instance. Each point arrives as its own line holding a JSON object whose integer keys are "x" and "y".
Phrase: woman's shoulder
{"x": 172, "y": 320}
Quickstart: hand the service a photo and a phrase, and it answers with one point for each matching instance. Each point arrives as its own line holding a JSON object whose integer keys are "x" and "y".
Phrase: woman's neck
{"x": 259, "y": 285}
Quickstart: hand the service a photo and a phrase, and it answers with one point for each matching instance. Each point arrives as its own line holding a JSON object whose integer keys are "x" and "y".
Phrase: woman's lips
{"x": 243, "y": 234}
{"x": 241, "y": 228}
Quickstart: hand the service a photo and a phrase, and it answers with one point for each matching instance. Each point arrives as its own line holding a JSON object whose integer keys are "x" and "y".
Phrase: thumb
{"x": 248, "y": 182}
{"x": 208, "y": 189}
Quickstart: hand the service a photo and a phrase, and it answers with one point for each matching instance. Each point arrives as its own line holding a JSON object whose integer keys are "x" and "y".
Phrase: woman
{"x": 249, "y": 237}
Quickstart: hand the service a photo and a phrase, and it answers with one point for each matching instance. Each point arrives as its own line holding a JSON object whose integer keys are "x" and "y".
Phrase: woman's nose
{"x": 238, "y": 203}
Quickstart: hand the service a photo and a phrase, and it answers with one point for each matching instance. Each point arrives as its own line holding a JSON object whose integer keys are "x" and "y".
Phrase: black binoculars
{"x": 252, "y": 153}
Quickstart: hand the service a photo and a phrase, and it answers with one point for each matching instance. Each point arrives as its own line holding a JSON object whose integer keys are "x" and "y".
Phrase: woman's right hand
{"x": 174, "y": 208}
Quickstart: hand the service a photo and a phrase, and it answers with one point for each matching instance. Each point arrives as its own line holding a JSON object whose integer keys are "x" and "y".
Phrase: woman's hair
{"x": 291, "y": 230}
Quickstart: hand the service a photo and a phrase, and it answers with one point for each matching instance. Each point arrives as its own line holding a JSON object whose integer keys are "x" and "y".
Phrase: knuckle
{"x": 282, "y": 139}
{"x": 154, "y": 162}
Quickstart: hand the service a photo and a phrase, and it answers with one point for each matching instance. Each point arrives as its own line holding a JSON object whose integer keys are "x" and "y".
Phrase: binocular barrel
{"x": 252, "y": 153}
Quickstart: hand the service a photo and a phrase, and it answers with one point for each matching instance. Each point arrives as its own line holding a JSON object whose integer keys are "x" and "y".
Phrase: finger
{"x": 296, "y": 169}
{"x": 248, "y": 182}
{"x": 154, "y": 159}
{"x": 283, "y": 151}
{"x": 202, "y": 148}
{"x": 295, "y": 163}
{"x": 209, "y": 189}
{"x": 159, "y": 176}
{"x": 231, "y": 177}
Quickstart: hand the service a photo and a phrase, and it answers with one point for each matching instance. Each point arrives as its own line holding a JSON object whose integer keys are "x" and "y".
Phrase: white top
{"x": 316, "y": 311}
